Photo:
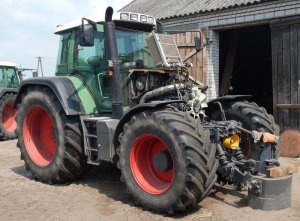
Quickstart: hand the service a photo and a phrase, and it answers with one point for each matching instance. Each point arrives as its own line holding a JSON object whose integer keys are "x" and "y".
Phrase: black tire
{"x": 52, "y": 155}
{"x": 193, "y": 159}
{"x": 8, "y": 125}
{"x": 252, "y": 117}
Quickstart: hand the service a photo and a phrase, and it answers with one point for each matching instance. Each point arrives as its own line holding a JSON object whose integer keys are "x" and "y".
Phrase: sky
{"x": 27, "y": 27}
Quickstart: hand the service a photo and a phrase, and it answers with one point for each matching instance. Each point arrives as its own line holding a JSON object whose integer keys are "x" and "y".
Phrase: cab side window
{"x": 62, "y": 58}
{"x": 11, "y": 77}
{"x": 90, "y": 58}
{"x": 2, "y": 80}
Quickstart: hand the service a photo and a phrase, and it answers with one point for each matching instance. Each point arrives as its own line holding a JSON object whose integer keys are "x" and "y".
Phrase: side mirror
{"x": 87, "y": 33}
{"x": 197, "y": 43}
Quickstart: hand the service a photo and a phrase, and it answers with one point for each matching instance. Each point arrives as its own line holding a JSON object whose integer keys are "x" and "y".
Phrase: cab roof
{"x": 129, "y": 17}
{"x": 8, "y": 64}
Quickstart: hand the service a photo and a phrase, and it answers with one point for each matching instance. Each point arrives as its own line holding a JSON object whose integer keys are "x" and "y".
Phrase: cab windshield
{"x": 132, "y": 49}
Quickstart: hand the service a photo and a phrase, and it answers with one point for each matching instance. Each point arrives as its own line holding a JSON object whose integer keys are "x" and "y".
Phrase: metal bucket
{"x": 270, "y": 193}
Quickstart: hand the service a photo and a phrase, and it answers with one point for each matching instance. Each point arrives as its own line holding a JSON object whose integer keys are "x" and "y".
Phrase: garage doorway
{"x": 246, "y": 63}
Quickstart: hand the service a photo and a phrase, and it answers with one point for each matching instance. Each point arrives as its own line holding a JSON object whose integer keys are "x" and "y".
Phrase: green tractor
{"x": 122, "y": 95}
{"x": 9, "y": 84}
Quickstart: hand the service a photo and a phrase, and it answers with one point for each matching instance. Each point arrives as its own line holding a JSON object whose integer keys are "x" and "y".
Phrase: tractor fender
{"x": 4, "y": 91}
{"x": 224, "y": 100}
{"x": 229, "y": 98}
{"x": 63, "y": 89}
{"x": 137, "y": 109}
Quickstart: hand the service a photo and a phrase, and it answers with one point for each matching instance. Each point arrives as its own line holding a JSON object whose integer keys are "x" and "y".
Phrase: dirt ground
{"x": 99, "y": 195}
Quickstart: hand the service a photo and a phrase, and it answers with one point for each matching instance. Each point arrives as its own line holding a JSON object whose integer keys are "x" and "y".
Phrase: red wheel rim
{"x": 8, "y": 117}
{"x": 148, "y": 177}
{"x": 39, "y": 136}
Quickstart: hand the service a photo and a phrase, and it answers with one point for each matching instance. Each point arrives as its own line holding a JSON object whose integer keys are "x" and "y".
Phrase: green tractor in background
{"x": 122, "y": 95}
{"x": 9, "y": 84}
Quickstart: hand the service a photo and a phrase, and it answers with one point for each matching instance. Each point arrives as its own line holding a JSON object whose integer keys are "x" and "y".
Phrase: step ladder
{"x": 98, "y": 133}
{"x": 89, "y": 126}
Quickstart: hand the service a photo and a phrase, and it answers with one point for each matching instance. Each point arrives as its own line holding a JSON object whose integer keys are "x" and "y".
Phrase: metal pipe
{"x": 112, "y": 57}
{"x": 222, "y": 113}
{"x": 244, "y": 130}
{"x": 161, "y": 91}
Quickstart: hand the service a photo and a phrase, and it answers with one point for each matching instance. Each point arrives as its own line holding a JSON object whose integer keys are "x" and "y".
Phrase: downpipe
{"x": 112, "y": 57}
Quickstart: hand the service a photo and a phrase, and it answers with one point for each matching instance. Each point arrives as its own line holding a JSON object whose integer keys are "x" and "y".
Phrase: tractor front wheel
{"x": 166, "y": 160}
{"x": 8, "y": 124}
{"x": 50, "y": 142}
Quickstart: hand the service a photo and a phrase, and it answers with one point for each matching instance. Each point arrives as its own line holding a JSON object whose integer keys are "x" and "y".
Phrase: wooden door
{"x": 286, "y": 73}
{"x": 186, "y": 45}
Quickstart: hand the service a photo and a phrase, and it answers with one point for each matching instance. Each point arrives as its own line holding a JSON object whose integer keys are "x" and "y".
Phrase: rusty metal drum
{"x": 290, "y": 143}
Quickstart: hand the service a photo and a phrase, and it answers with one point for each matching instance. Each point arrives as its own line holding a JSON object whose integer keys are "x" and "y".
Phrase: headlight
{"x": 143, "y": 18}
{"x": 124, "y": 16}
{"x": 150, "y": 20}
{"x": 140, "y": 83}
{"x": 134, "y": 17}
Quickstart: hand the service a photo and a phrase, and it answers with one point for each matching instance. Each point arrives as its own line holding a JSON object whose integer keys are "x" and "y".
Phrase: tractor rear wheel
{"x": 252, "y": 117}
{"x": 166, "y": 160}
{"x": 8, "y": 124}
{"x": 50, "y": 142}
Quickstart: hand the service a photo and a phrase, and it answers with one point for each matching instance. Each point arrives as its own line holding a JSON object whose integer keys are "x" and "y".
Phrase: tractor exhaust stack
{"x": 112, "y": 57}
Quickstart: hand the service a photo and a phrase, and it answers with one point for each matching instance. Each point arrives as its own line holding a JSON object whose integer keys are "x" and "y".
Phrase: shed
{"x": 249, "y": 47}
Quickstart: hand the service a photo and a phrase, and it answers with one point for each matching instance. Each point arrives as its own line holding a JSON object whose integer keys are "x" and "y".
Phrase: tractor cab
{"x": 131, "y": 31}
{"x": 9, "y": 77}
{"x": 88, "y": 61}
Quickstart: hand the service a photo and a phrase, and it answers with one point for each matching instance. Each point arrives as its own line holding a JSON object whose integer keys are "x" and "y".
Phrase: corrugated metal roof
{"x": 162, "y": 9}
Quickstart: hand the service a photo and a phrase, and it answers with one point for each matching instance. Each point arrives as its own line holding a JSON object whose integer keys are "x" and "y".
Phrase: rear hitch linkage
{"x": 233, "y": 167}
